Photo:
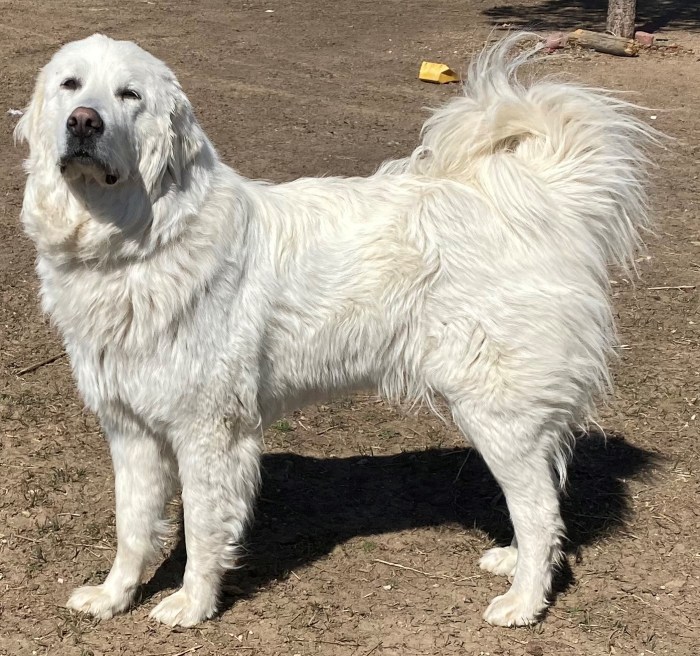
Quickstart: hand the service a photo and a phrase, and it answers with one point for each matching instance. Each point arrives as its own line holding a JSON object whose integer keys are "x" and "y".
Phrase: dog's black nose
{"x": 85, "y": 122}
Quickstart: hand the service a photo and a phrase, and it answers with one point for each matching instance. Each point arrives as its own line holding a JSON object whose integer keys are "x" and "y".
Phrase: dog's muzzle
{"x": 85, "y": 127}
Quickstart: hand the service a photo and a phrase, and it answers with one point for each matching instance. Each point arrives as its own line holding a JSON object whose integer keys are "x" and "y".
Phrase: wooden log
{"x": 612, "y": 45}
{"x": 621, "y": 18}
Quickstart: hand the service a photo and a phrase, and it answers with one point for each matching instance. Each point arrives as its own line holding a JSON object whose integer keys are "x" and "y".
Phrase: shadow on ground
{"x": 652, "y": 15}
{"x": 310, "y": 505}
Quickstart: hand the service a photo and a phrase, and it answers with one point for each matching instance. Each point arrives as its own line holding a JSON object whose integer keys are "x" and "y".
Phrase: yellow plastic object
{"x": 437, "y": 73}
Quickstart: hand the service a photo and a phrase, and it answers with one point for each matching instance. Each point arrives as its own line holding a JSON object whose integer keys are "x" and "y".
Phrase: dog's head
{"x": 107, "y": 112}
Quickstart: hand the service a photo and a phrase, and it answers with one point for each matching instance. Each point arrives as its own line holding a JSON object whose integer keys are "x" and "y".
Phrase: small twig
{"x": 188, "y": 651}
{"x": 293, "y": 618}
{"x": 179, "y": 653}
{"x": 560, "y": 616}
{"x": 46, "y": 635}
{"x": 379, "y": 644}
{"x": 331, "y": 428}
{"x": 638, "y": 598}
{"x": 459, "y": 473}
{"x": 90, "y": 546}
{"x": 656, "y": 289}
{"x": 38, "y": 365}
{"x": 327, "y": 642}
{"x": 24, "y": 537}
{"x": 413, "y": 569}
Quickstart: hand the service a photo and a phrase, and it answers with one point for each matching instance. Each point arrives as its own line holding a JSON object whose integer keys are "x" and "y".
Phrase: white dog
{"x": 196, "y": 306}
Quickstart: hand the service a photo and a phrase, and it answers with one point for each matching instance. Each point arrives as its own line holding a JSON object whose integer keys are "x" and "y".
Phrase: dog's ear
{"x": 171, "y": 143}
{"x": 186, "y": 138}
{"x": 27, "y": 129}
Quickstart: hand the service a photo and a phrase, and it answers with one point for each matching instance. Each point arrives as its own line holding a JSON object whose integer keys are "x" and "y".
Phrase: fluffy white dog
{"x": 196, "y": 306}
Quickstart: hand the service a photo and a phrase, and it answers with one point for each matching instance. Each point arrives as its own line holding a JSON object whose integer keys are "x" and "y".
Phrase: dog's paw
{"x": 500, "y": 560}
{"x": 99, "y": 601}
{"x": 513, "y": 609}
{"x": 180, "y": 609}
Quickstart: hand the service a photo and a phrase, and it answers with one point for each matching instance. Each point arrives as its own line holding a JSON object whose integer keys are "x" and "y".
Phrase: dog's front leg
{"x": 145, "y": 479}
{"x": 220, "y": 474}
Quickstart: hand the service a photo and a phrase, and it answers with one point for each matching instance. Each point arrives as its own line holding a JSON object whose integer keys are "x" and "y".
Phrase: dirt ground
{"x": 371, "y": 520}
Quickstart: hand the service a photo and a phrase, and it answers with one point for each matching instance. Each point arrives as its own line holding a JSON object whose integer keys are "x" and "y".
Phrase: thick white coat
{"x": 196, "y": 306}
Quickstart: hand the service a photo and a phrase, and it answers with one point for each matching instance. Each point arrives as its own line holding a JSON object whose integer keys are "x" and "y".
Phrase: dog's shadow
{"x": 310, "y": 505}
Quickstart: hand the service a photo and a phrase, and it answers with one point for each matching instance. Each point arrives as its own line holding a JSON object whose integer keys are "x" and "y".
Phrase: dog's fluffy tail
{"x": 549, "y": 155}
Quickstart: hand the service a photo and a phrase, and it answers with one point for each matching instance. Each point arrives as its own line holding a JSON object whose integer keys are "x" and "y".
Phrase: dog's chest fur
{"x": 131, "y": 336}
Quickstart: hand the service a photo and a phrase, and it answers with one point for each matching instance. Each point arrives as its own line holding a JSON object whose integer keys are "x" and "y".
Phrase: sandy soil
{"x": 370, "y": 521}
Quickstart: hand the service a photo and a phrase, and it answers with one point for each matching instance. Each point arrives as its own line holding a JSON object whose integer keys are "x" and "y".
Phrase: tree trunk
{"x": 621, "y": 17}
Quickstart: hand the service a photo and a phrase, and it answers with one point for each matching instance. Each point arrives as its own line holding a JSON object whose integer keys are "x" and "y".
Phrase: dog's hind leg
{"x": 145, "y": 479}
{"x": 220, "y": 474}
{"x": 520, "y": 457}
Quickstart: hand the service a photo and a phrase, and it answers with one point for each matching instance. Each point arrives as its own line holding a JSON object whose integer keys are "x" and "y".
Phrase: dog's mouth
{"x": 82, "y": 158}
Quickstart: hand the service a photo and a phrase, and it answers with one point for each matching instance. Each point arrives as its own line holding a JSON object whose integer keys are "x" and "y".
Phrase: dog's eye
{"x": 71, "y": 84}
{"x": 129, "y": 94}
